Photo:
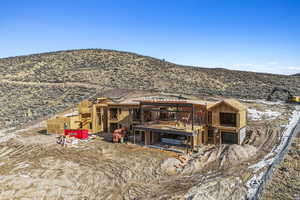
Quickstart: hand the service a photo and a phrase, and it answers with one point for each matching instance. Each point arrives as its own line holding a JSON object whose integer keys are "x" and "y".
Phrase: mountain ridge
{"x": 121, "y": 69}
{"x": 137, "y": 54}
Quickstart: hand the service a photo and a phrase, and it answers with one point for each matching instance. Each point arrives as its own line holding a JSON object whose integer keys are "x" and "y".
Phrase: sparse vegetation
{"x": 40, "y": 85}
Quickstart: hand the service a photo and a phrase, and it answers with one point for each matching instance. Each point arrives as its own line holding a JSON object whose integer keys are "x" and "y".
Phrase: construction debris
{"x": 67, "y": 141}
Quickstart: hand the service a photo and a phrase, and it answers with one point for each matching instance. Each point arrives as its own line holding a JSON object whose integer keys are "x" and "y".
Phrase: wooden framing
{"x": 58, "y": 124}
{"x": 96, "y": 117}
{"x": 228, "y": 106}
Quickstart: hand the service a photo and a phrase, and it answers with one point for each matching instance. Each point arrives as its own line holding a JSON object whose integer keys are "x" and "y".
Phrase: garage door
{"x": 229, "y": 138}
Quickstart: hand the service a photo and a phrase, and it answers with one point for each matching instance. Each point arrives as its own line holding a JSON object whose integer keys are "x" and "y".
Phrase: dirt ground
{"x": 33, "y": 166}
{"x": 285, "y": 182}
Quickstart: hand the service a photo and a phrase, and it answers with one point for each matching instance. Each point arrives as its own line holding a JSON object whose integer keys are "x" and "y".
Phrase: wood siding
{"x": 124, "y": 115}
{"x": 222, "y": 107}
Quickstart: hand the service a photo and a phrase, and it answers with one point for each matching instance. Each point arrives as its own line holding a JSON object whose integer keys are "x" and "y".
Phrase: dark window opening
{"x": 136, "y": 114}
{"x": 228, "y": 119}
{"x": 91, "y": 126}
{"x": 210, "y": 136}
{"x": 163, "y": 115}
{"x": 147, "y": 116}
{"x": 209, "y": 117}
{"x": 113, "y": 113}
{"x": 229, "y": 138}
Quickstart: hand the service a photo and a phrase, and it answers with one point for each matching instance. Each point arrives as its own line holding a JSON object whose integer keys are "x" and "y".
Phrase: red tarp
{"x": 80, "y": 134}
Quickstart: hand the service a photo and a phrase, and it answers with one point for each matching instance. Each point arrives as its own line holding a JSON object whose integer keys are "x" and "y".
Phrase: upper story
{"x": 174, "y": 115}
{"x": 105, "y": 115}
{"x": 227, "y": 114}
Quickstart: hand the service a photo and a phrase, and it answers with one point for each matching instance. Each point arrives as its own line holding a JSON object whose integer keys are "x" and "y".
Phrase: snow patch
{"x": 254, "y": 183}
{"x": 264, "y": 102}
{"x": 258, "y": 115}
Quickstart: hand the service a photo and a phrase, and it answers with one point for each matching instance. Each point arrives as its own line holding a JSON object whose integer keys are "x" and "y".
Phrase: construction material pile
{"x": 67, "y": 141}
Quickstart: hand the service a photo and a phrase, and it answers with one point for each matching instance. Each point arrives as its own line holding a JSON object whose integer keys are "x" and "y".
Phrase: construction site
{"x": 145, "y": 145}
{"x": 159, "y": 121}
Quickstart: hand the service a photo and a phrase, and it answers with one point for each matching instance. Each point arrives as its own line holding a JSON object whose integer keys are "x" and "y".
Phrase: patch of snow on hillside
{"x": 264, "y": 102}
{"x": 258, "y": 115}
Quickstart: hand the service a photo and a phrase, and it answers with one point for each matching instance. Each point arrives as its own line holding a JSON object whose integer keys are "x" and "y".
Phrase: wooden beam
{"x": 193, "y": 111}
{"x": 167, "y": 104}
{"x": 142, "y": 114}
{"x": 156, "y": 110}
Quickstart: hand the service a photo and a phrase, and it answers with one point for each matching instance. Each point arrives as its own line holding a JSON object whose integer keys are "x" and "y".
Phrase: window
{"x": 209, "y": 118}
{"x": 228, "y": 119}
{"x": 163, "y": 115}
{"x": 136, "y": 114}
{"x": 113, "y": 113}
{"x": 210, "y": 136}
{"x": 91, "y": 125}
{"x": 229, "y": 138}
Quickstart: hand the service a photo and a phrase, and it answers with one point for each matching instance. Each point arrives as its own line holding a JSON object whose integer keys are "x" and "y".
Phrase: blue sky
{"x": 253, "y": 35}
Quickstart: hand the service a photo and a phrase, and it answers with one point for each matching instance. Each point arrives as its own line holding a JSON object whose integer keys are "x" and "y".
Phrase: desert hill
{"x": 41, "y": 84}
{"x": 128, "y": 70}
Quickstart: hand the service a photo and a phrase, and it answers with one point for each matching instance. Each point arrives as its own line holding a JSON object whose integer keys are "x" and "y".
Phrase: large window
{"x": 227, "y": 119}
{"x": 229, "y": 138}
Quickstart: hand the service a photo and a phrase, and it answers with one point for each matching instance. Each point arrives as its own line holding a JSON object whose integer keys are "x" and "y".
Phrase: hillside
{"x": 128, "y": 70}
{"x": 41, "y": 84}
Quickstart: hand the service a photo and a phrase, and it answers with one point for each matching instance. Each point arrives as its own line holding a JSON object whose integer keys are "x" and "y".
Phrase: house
{"x": 227, "y": 122}
{"x": 186, "y": 123}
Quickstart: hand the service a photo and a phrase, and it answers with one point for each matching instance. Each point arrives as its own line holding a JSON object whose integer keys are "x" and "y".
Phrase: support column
{"x": 147, "y": 137}
{"x": 193, "y": 117}
{"x": 142, "y": 113}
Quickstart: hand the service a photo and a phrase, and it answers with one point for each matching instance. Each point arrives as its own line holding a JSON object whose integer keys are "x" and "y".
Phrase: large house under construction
{"x": 160, "y": 121}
